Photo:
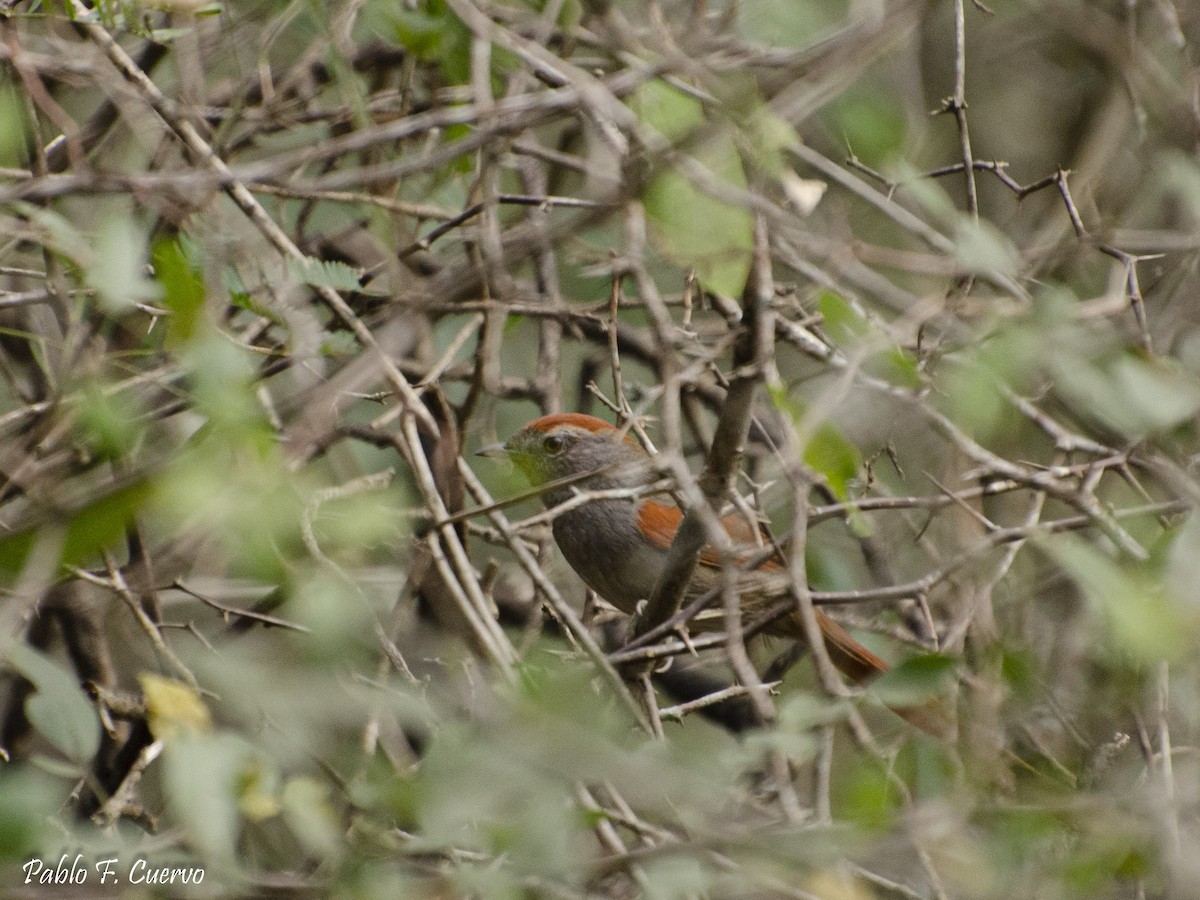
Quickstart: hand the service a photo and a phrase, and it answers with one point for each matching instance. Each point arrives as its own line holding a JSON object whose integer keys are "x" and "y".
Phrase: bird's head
{"x": 571, "y": 444}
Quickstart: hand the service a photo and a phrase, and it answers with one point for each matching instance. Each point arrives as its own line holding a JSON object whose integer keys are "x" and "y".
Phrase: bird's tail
{"x": 860, "y": 665}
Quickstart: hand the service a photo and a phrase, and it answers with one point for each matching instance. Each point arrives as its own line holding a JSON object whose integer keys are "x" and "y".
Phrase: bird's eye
{"x": 554, "y": 443}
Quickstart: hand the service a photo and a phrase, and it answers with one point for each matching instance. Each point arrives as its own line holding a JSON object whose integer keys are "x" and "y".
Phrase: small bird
{"x": 619, "y": 546}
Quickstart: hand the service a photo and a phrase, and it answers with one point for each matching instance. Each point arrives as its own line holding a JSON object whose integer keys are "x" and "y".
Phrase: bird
{"x": 618, "y": 545}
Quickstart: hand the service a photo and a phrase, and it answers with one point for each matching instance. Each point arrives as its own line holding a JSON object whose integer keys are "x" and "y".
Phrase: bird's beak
{"x": 493, "y": 451}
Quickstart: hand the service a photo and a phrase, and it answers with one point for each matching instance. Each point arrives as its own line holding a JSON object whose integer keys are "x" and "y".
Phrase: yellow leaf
{"x": 829, "y": 885}
{"x": 173, "y": 707}
{"x": 257, "y": 800}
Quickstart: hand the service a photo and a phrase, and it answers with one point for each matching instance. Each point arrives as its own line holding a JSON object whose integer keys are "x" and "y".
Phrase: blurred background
{"x": 270, "y": 272}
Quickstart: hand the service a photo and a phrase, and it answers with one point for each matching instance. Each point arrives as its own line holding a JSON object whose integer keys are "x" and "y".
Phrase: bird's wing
{"x": 659, "y": 522}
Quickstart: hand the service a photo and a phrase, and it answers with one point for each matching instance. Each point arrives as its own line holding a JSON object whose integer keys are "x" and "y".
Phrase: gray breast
{"x": 610, "y": 560}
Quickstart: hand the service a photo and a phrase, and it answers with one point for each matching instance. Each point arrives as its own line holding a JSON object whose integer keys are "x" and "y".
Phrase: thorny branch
{"x": 352, "y": 254}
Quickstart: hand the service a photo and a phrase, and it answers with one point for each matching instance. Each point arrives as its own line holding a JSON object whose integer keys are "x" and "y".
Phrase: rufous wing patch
{"x": 659, "y": 523}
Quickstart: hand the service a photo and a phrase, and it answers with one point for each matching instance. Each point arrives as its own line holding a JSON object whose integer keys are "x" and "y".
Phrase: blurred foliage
{"x": 995, "y": 407}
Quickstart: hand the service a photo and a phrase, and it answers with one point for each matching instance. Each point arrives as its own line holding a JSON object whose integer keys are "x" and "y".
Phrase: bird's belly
{"x": 615, "y": 567}
{"x": 624, "y": 571}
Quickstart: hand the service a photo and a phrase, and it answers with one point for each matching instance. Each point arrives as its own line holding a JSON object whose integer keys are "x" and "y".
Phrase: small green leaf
{"x": 700, "y": 232}
{"x": 980, "y": 248}
{"x": 869, "y": 801}
{"x": 431, "y": 34}
{"x": 59, "y": 710}
{"x": 869, "y": 123}
{"x": 693, "y": 228}
{"x": 769, "y": 135}
{"x": 671, "y": 113}
{"x": 201, "y": 783}
{"x": 834, "y": 457}
{"x": 828, "y": 452}
{"x": 310, "y": 817}
{"x": 110, "y": 422}
{"x": 1134, "y": 396}
{"x": 897, "y": 367}
{"x": 31, "y": 799}
{"x": 1018, "y": 666}
{"x": 56, "y": 231}
{"x": 116, "y": 269}
{"x": 339, "y": 343}
{"x": 785, "y": 23}
{"x": 14, "y": 138}
{"x": 417, "y": 31}
{"x": 841, "y": 320}
{"x": 915, "y": 680}
{"x": 326, "y": 273}
{"x": 183, "y": 288}
{"x": 258, "y": 790}
{"x": 1134, "y": 611}
{"x": 974, "y": 400}
{"x": 1165, "y": 395}
{"x": 91, "y": 528}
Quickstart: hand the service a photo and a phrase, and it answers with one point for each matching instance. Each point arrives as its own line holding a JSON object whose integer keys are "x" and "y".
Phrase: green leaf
{"x": 113, "y": 261}
{"x": 201, "y": 782}
{"x": 1132, "y": 609}
{"x": 670, "y": 112}
{"x": 691, "y": 227}
{"x": 59, "y": 710}
{"x": 897, "y": 367}
{"x": 258, "y": 790}
{"x": 432, "y": 34}
{"x": 980, "y": 248}
{"x": 915, "y": 680}
{"x": 417, "y": 31}
{"x": 841, "y": 320}
{"x": 975, "y": 402}
{"x": 869, "y": 801}
{"x": 834, "y": 457}
{"x": 325, "y": 273}
{"x": 702, "y": 233}
{"x": 848, "y": 328}
{"x": 869, "y": 123}
{"x": 91, "y": 528}
{"x": 182, "y": 282}
{"x": 785, "y": 23}
{"x": 340, "y": 343}
{"x": 14, "y": 138}
{"x": 109, "y": 422}
{"x": 308, "y": 813}
{"x": 56, "y": 231}
{"x": 828, "y": 452}
{"x": 1164, "y": 394}
{"x": 116, "y": 269}
{"x": 31, "y": 799}
{"x": 1132, "y": 395}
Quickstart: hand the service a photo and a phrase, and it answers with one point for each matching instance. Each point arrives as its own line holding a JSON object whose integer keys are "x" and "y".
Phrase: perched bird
{"x": 619, "y": 546}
